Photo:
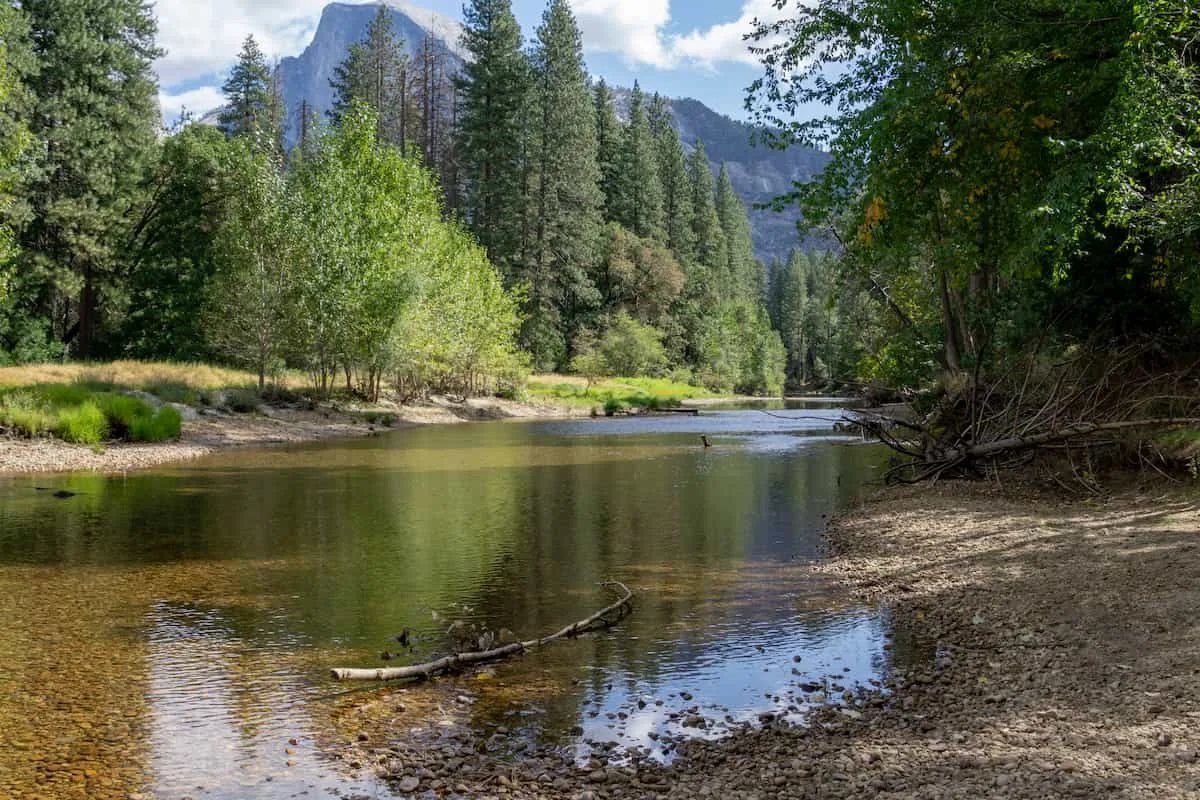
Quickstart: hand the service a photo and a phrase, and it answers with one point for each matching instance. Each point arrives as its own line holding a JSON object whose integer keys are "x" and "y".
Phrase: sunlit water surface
{"x": 170, "y": 632}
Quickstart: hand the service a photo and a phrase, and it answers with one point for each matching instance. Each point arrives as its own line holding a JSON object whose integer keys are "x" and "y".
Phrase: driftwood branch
{"x": 601, "y": 619}
{"x": 1102, "y": 405}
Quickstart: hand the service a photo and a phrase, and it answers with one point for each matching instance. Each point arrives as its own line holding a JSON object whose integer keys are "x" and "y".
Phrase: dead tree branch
{"x": 605, "y": 618}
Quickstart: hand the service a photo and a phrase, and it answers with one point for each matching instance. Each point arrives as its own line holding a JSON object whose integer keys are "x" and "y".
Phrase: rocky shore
{"x": 207, "y": 431}
{"x": 1052, "y": 652}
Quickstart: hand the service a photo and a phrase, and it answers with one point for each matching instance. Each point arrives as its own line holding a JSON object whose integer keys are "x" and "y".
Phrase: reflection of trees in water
{"x": 339, "y": 549}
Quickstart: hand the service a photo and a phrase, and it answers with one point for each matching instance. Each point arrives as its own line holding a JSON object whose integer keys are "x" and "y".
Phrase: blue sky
{"x": 681, "y": 48}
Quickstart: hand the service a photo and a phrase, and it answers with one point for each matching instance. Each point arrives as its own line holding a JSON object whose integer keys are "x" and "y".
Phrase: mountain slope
{"x": 758, "y": 174}
{"x": 306, "y": 77}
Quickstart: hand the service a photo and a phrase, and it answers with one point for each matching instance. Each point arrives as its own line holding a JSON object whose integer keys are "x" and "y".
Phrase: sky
{"x": 680, "y": 48}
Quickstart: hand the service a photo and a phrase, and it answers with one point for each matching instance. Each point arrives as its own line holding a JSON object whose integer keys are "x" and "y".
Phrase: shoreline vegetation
{"x": 217, "y": 409}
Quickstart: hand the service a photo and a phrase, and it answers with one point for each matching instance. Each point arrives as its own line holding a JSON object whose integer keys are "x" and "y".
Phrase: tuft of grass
{"x": 165, "y": 424}
{"x": 82, "y": 424}
{"x": 76, "y": 413}
{"x": 22, "y": 411}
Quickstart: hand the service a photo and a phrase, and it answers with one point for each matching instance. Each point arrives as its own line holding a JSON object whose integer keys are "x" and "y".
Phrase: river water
{"x": 170, "y": 632}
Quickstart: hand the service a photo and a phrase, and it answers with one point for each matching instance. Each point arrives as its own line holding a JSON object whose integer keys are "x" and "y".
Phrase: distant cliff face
{"x": 758, "y": 173}
{"x": 306, "y": 77}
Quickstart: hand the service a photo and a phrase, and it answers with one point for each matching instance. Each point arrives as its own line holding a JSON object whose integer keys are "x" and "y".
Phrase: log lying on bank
{"x": 605, "y": 618}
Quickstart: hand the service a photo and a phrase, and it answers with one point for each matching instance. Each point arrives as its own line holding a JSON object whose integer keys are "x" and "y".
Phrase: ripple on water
{"x": 224, "y": 590}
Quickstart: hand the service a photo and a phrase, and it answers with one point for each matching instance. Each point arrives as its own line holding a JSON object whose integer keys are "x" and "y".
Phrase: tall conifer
{"x": 248, "y": 93}
{"x": 608, "y": 147}
{"x": 375, "y": 71}
{"x": 742, "y": 269}
{"x": 96, "y": 109}
{"x": 494, "y": 93}
{"x": 640, "y": 201}
{"x": 706, "y": 225}
{"x": 566, "y": 199}
{"x": 677, "y": 189}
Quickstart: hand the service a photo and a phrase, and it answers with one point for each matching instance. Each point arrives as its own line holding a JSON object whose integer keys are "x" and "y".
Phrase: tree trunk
{"x": 953, "y": 351}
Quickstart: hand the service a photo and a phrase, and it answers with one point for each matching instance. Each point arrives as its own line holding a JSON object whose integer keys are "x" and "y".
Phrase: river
{"x": 170, "y": 632}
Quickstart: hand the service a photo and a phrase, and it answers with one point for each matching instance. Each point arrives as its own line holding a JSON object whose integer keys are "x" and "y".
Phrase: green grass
{"x": 26, "y": 413}
{"x": 85, "y": 414}
{"x": 614, "y": 394}
{"x": 82, "y": 424}
{"x": 1180, "y": 439}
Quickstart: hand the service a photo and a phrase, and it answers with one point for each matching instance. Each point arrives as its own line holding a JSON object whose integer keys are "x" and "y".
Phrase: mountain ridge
{"x": 758, "y": 174}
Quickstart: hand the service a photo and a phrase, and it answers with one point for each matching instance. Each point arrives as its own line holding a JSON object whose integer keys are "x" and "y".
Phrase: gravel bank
{"x": 274, "y": 426}
{"x": 1054, "y": 653}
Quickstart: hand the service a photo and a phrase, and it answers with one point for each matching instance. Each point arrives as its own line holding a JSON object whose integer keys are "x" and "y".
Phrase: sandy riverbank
{"x": 208, "y": 434}
{"x": 1052, "y": 651}
{"x": 1060, "y": 647}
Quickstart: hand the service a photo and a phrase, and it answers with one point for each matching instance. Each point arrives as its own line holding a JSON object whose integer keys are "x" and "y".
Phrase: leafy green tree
{"x": 96, "y": 110}
{"x": 494, "y": 95}
{"x": 251, "y": 299}
{"x": 366, "y": 213}
{"x": 171, "y": 250}
{"x": 15, "y": 60}
{"x": 633, "y": 349}
{"x": 462, "y": 331}
{"x": 249, "y": 107}
{"x": 639, "y": 206}
{"x": 642, "y": 277}
{"x": 566, "y": 200}
{"x": 996, "y": 155}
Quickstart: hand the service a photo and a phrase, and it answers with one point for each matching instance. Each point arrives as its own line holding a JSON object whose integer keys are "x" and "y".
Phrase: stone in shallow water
{"x": 409, "y": 784}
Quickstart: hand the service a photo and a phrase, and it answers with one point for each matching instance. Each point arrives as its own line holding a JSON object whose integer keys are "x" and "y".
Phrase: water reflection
{"x": 223, "y": 591}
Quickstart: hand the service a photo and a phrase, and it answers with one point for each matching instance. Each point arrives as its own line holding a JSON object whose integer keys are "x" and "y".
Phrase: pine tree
{"x": 677, "y": 189}
{"x": 608, "y": 146}
{"x": 742, "y": 270}
{"x": 96, "y": 109}
{"x": 248, "y": 93}
{"x": 711, "y": 251}
{"x": 640, "y": 195}
{"x": 376, "y": 71}
{"x": 494, "y": 91}
{"x": 566, "y": 199}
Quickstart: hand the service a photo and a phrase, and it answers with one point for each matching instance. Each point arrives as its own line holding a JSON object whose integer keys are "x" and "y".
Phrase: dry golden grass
{"x": 198, "y": 377}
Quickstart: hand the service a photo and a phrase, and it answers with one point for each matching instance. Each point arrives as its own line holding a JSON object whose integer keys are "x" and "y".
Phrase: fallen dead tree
{"x": 605, "y": 618}
{"x": 1082, "y": 412}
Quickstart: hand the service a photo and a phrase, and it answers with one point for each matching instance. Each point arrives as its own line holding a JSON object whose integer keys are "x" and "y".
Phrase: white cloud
{"x": 197, "y": 101}
{"x": 726, "y": 41}
{"x": 632, "y": 28}
{"x": 204, "y": 38}
{"x": 636, "y": 30}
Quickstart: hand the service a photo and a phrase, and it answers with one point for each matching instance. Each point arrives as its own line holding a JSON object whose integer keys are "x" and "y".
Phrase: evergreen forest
{"x": 436, "y": 231}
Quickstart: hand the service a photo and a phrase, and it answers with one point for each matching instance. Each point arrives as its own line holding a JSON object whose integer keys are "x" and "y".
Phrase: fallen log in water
{"x": 596, "y": 621}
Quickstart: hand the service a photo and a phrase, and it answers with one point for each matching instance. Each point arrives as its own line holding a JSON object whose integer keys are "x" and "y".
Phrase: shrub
{"x": 122, "y": 411}
{"x": 82, "y": 424}
{"x": 242, "y": 401}
{"x": 613, "y": 406}
{"x": 166, "y": 424}
{"x": 633, "y": 349}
